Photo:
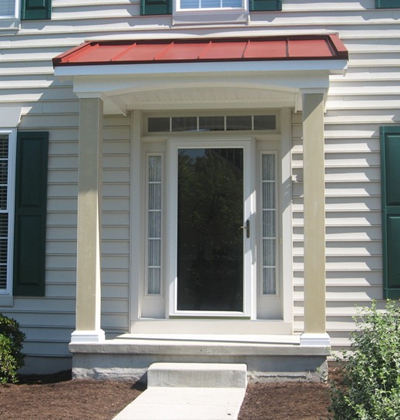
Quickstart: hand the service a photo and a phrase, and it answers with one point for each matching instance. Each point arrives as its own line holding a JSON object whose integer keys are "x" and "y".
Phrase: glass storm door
{"x": 212, "y": 231}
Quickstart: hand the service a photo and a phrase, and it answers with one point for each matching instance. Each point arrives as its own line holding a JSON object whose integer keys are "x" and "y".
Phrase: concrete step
{"x": 196, "y": 391}
{"x": 199, "y": 375}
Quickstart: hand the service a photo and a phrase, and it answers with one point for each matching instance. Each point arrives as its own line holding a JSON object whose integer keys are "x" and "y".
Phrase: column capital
{"x": 305, "y": 92}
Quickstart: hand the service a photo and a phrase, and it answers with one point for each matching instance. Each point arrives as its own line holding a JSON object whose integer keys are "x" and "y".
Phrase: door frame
{"x": 284, "y": 141}
{"x": 249, "y": 209}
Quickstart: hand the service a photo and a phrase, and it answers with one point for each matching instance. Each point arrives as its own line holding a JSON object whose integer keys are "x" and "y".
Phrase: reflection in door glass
{"x": 210, "y": 241}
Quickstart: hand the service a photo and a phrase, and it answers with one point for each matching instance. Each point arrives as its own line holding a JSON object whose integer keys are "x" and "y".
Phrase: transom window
{"x": 211, "y": 123}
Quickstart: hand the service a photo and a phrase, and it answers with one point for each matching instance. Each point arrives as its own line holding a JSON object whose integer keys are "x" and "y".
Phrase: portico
{"x": 259, "y": 83}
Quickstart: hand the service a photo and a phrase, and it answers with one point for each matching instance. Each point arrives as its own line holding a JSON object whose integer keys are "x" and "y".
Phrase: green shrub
{"x": 371, "y": 385}
{"x": 11, "y": 357}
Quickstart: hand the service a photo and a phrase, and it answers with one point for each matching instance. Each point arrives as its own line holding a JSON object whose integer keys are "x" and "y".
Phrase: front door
{"x": 212, "y": 272}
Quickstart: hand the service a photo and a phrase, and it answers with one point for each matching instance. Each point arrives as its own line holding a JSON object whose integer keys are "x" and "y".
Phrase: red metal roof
{"x": 313, "y": 47}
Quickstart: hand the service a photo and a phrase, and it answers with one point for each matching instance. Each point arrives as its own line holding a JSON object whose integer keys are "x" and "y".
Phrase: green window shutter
{"x": 156, "y": 7}
{"x": 387, "y": 4}
{"x": 35, "y": 9}
{"x": 30, "y": 214}
{"x": 390, "y": 178}
{"x": 265, "y": 5}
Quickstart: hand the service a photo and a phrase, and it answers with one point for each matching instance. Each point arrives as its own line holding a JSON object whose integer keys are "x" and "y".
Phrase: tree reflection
{"x": 210, "y": 241}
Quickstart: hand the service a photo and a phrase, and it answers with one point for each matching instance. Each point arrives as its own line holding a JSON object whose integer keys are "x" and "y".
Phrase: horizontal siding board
{"x": 118, "y": 261}
{"x": 58, "y": 289}
{"x": 47, "y": 306}
{"x": 46, "y": 348}
{"x": 115, "y": 218}
{"x": 47, "y": 333}
{"x": 115, "y": 322}
{"x": 119, "y": 291}
{"x": 117, "y": 246}
{"x": 350, "y": 249}
{"x": 116, "y": 203}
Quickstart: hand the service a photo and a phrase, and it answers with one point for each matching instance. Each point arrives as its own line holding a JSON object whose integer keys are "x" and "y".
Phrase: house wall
{"x": 359, "y": 102}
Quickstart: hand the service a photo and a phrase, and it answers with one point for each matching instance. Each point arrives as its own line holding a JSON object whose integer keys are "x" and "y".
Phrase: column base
{"x": 90, "y": 336}
{"x": 315, "y": 340}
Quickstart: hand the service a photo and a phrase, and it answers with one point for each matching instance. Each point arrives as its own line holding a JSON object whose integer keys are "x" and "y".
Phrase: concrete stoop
{"x": 268, "y": 358}
{"x": 186, "y": 391}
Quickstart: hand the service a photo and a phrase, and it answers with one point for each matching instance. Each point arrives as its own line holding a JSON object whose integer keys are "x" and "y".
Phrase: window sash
{"x": 209, "y": 4}
{"x": 8, "y": 9}
{"x": 269, "y": 224}
{"x": 154, "y": 213}
{"x": 256, "y": 122}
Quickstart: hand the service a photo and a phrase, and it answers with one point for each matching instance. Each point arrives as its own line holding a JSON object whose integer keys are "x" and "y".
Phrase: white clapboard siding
{"x": 358, "y": 103}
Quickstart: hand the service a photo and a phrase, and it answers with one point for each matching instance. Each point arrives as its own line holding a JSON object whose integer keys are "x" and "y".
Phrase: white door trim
{"x": 250, "y": 290}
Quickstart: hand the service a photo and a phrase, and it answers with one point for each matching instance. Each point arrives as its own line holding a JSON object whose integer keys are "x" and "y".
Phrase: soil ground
{"x": 57, "y": 397}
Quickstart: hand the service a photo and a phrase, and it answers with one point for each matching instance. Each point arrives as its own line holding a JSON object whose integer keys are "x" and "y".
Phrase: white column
{"x": 88, "y": 273}
{"x": 314, "y": 221}
{"x": 137, "y": 254}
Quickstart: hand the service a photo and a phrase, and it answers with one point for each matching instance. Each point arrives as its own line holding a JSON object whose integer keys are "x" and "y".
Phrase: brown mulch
{"x": 57, "y": 397}
{"x": 284, "y": 401}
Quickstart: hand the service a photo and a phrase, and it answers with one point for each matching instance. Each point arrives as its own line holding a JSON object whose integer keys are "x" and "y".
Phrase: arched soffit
{"x": 224, "y": 95}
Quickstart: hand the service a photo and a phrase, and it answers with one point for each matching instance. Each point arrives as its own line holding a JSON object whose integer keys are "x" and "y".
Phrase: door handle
{"x": 247, "y": 227}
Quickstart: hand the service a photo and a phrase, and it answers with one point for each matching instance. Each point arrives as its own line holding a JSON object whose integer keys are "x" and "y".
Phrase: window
{"x": 209, "y": 4}
{"x": 7, "y": 8}
{"x": 387, "y": 4}
{"x": 211, "y": 123}
{"x": 164, "y": 7}
{"x": 268, "y": 201}
{"x": 390, "y": 176}
{"x": 154, "y": 223}
{"x": 9, "y": 15}
{"x": 12, "y": 10}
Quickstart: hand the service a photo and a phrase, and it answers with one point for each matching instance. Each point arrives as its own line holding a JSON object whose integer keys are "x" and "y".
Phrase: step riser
{"x": 197, "y": 375}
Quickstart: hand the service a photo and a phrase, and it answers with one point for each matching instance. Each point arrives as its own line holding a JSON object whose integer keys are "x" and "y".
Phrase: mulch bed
{"x": 284, "y": 401}
{"x": 57, "y": 397}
